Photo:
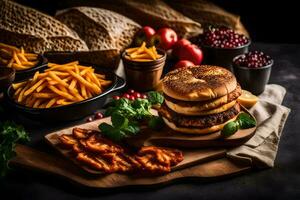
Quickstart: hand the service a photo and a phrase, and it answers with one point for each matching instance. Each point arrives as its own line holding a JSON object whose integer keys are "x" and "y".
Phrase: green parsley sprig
{"x": 10, "y": 134}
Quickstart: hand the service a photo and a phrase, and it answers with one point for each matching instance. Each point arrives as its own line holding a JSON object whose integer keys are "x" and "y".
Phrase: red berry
{"x": 98, "y": 115}
{"x": 116, "y": 97}
{"x": 131, "y": 98}
{"x": 126, "y": 96}
{"x": 144, "y": 96}
{"x": 131, "y": 91}
{"x": 90, "y": 119}
{"x": 137, "y": 95}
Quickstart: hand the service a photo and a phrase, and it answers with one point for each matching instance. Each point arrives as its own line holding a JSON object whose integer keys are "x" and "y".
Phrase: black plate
{"x": 68, "y": 112}
{"x": 27, "y": 73}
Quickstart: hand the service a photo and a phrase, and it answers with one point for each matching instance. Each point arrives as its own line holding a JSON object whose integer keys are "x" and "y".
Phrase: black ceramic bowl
{"x": 40, "y": 66}
{"x": 68, "y": 112}
{"x": 222, "y": 56}
{"x": 252, "y": 79}
{"x": 7, "y": 76}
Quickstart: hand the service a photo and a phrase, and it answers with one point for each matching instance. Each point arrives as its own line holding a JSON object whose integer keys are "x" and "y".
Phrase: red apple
{"x": 192, "y": 53}
{"x": 183, "y": 63}
{"x": 178, "y": 45}
{"x": 164, "y": 38}
{"x": 143, "y": 35}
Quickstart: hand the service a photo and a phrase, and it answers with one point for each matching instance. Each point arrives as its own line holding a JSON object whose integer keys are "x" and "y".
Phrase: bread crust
{"x": 199, "y": 83}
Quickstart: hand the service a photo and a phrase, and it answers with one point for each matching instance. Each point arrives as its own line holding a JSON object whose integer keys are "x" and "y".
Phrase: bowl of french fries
{"x": 63, "y": 92}
{"x": 24, "y": 63}
{"x": 143, "y": 66}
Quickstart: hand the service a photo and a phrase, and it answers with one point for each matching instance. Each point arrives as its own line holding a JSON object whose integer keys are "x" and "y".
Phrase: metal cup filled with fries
{"x": 143, "y": 66}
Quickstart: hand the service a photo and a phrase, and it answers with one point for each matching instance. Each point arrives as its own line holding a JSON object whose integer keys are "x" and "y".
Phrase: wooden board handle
{"x": 33, "y": 159}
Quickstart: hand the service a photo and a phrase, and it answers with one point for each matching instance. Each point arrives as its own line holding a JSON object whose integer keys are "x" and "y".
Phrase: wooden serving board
{"x": 32, "y": 159}
{"x": 201, "y": 163}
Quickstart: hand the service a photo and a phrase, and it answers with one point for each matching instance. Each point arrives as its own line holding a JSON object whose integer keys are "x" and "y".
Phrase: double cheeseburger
{"x": 199, "y": 99}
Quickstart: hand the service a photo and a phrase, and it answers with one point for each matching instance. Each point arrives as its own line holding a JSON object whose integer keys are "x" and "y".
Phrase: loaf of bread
{"x": 154, "y": 13}
{"x": 207, "y": 13}
{"x": 101, "y": 29}
{"x": 35, "y": 31}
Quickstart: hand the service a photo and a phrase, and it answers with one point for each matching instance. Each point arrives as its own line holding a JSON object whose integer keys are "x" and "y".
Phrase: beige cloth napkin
{"x": 260, "y": 151}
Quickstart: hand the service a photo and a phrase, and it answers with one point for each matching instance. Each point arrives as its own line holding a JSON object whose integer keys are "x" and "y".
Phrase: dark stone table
{"x": 280, "y": 182}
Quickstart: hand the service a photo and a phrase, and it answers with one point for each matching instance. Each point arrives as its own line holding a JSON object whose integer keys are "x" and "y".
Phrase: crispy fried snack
{"x": 101, "y": 154}
{"x": 60, "y": 84}
{"x": 18, "y": 59}
{"x": 158, "y": 160}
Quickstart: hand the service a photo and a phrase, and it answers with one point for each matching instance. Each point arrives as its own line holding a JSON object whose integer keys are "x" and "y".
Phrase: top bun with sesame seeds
{"x": 198, "y": 83}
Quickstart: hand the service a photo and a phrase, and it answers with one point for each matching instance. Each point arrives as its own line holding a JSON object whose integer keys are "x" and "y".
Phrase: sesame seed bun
{"x": 198, "y": 83}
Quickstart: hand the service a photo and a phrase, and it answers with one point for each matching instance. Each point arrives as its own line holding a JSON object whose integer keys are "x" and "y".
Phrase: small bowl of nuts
{"x": 253, "y": 70}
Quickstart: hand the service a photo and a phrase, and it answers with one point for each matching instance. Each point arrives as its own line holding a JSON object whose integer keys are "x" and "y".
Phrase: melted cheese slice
{"x": 206, "y": 109}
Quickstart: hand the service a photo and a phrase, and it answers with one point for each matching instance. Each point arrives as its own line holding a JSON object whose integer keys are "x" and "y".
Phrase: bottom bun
{"x": 203, "y": 131}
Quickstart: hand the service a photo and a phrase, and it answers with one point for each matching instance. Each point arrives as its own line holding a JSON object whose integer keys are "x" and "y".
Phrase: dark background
{"x": 267, "y": 21}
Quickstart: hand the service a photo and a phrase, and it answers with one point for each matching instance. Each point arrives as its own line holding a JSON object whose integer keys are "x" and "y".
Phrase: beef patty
{"x": 198, "y": 121}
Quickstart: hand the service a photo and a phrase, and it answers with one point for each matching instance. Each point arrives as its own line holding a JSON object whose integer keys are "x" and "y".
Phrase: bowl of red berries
{"x": 253, "y": 70}
{"x": 221, "y": 44}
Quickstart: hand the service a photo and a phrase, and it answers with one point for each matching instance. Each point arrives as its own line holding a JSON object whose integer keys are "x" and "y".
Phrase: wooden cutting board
{"x": 201, "y": 163}
{"x": 57, "y": 165}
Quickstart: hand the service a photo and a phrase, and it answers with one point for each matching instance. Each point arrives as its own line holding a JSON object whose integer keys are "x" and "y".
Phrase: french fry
{"x": 21, "y": 95}
{"x": 86, "y": 83}
{"x": 32, "y": 88}
{"x": 37, "y": 103}
{"x": 83, "y": 90}
{"x": 41, "y": 87}
{"x": 131, "y": 50}
{"x": 50, "y": 103}
{"x": 9, "y": 47}
{"x": 18, "y": 91}
{"x": 18, "y": 85}
{"x": 10, "y": 62}
{"x": 57, "y": 79}
{"x": 35, "y": 77}
{"x": 100, "y": 76}
{"x": 94, "y": 78}
{"x": 73, "y": 84}
{"x": 16, "y": 59}
{"x": 44, "y": 95}
{"x": 63, "y": 94}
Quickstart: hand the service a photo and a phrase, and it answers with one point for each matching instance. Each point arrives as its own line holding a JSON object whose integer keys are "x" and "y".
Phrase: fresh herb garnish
{"x": 10, "y": 134}
{"x": 243, "y": 121}
{"x": 155, "y": 97}
{"x": 126, "y": 116}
